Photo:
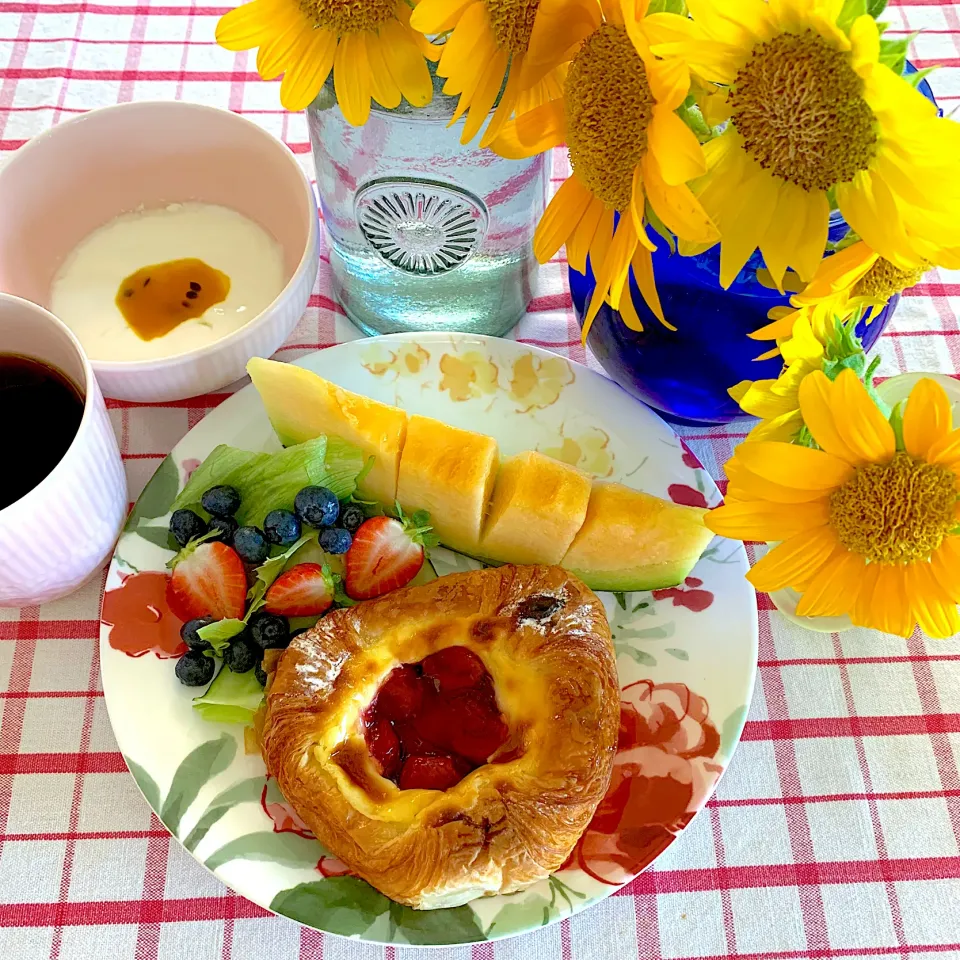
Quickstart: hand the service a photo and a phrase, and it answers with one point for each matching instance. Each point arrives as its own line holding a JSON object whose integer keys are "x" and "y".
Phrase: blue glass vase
{"x": 685, "y": 374}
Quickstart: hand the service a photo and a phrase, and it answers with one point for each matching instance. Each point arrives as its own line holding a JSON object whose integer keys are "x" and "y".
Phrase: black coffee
{"x": 40, "y": 411}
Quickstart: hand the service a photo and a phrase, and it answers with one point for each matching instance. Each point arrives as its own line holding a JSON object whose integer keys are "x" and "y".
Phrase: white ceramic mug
{"x": 54, "y": 537}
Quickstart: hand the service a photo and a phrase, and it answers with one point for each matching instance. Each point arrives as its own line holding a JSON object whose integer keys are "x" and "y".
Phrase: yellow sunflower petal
{"x": 784, "y": 234}
{"x": 927, "y": 419}
{"x": 946, "y": 451}
{"x": 628, "y": 311}
{"x": 578, "y": 246}
{"x": 891, "y": 609}
{"x": 783, "y": 428}
{"x": 861, "y": 425}
{"x": 351, "y": 79}
{"x": 312, "y": 61}
{"x": 839, "y": 271}
{"x": 560, "y": 27}
{"x": 248, "y": 25}
{"x": 438, "y": 16}
{"x": 600, "y": 245}
{"x": 485, "y": 96}
{"x": 795, "y": 561}
{"x": 669, "y": 82}
{"x": 747, "y": 485}
{"x": 675, "y": 146}
{"x": 642, "y": 264}
{"x": 561, "y": 218}
{"x": 406, "y": 63}
{"x": 459, "y": 52}
{"x": 817, "y": 404}
{"x": 276, "y": 53}
{"x": 757, "y": 520}
{"x": 833, "y": 591}
{"x": 802, "y": 468}
{"x": 936, "y": 613}
{"x": 382, "y": 85}
{"x": 507, "y": 104}
{"x": 676, "y": 206}
{"x": 813, "y": 238}
{"x": 945, "y": 563}
{"x": 612, "y": 269}
{"x": 743, "y": 234}
{"x": 541, "y": 129}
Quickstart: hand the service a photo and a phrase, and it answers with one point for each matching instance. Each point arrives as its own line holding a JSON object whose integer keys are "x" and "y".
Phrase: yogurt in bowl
{"x": 176, "y": 240}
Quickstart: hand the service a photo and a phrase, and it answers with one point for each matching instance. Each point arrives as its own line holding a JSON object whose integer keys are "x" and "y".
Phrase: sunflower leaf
{"x": 850, "y": 11}
{"x": 668, "y": 6}
{"x": 876, "y": 7}
{"x": 893, "y": 53}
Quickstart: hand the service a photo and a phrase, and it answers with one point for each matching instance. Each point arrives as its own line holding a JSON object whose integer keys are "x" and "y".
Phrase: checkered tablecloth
{"x": 835, "y": 831}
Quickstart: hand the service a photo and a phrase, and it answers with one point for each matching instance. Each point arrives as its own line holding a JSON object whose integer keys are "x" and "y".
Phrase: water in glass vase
{"x": 424, "y": 233}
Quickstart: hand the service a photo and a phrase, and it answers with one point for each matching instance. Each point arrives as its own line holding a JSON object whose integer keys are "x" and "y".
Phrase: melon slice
{"x": 449, "y": 472}
{"x": 302, "y": 405}
{"x": 538, "y": 506}
{"x": 634, "y": 541}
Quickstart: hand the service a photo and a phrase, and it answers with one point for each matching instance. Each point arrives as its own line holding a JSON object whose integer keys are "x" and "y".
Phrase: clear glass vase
{"x": 424, "y": 233}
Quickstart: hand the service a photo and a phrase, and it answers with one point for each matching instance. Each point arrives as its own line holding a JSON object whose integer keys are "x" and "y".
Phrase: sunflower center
{"x": 798, "y": 104}
{"x": 896, "y": 512}
{"x": 883, "y": 280}
{"x": 349, "y": 16}
{"x": 609, "y": 106}
{"x": 512, "y": 22}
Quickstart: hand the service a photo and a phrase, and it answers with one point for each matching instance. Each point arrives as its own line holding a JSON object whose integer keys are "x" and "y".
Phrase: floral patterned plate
{"x": 686, "y": 655}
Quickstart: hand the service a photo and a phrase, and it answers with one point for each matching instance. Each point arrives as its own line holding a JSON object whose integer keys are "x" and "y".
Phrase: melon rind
{"x": 634, "y": 541}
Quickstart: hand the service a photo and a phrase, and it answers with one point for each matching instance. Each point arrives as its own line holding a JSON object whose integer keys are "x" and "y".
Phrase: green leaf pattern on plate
{"x": 277, "y": 847}
{"x": 199, "y": 766}
{"x": 222, "y": 803}
{"x": 157, "y": 495}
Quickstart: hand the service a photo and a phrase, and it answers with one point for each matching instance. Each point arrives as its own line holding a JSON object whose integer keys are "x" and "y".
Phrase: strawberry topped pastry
{"x": 448, "y": 740}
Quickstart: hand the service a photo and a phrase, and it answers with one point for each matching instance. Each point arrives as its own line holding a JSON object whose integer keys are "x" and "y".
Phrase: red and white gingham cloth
{"x": 835, "y": 831}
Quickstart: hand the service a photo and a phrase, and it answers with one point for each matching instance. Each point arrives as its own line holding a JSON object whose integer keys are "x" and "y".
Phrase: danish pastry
{"x": 452, "y": 740}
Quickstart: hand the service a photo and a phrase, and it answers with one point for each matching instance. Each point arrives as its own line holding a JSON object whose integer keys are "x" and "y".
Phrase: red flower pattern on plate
{"x": 188, "y": 466}
{"x": 690, "y": 459}
{"x": 664, "y": 770}
{"x": 685, "y": 494}
{"x": 687, "y": 595}
{"x": 139, "y": 617}
{"x": 333, "y": 867}
{"x": 284, "y": 817}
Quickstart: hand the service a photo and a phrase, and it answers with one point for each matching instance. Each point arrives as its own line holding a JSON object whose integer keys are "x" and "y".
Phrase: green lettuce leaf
{"x": 270, "y": 569}
{"x": 231, "y": 698}
{"x": 219, "y": 634}
{"x": 270, "y": 481}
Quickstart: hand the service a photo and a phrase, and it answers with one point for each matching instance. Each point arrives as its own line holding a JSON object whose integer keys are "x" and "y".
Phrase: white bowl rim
{"x": 132, "y": 366}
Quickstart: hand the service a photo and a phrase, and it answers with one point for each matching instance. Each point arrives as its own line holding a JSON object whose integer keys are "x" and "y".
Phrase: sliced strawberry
{"x": 429, "y": 773}
{"x": 305, "y": 590}
{"x": 454, "y": 668}
{"x": 208, "y": 580}
{"x": 384, "y": 747}
{"x": 401, "y": 695}
{"x": 385, "y": 554}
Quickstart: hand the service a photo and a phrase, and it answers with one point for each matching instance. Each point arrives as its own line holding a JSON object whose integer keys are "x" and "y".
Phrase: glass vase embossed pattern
{"x": 423, "y": 232}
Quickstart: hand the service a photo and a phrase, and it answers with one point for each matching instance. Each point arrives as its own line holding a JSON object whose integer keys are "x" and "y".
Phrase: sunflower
{"x": 777, "y": 402}
{"x": 852, "y": 280}
{"x": 484, "y": 58}
{"x": 628, "y": 148}
{"x": 369, "y": 45}
{"x": 869, "y": 522}
{"x": 814, "y": 117}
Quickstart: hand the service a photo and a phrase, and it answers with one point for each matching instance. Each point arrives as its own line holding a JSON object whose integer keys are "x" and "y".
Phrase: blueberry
{"x": 281, "y": 527}
{"x": 351, "y": 517}
{"x": 269, "y": 631}
{"x": 185, "y": 525}
{"x": 194, "y": 669}
{"x": 317, "y": 506}
{"x": 335, "y": 540}
{"x": 190, "y": 636}
{"x": 251, "y": 544}
{"x": 240, "y": 655}
{"x": 225, "y": 527}
{"x": 221, "y": 501}
{"x": 260, "y": 674}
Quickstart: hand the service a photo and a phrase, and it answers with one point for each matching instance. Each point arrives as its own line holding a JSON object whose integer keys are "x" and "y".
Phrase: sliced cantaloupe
{"x": 537, "y": 508}
{"x": 302, "y": 405}
{"x": 449, "y": 472}
{"x": 635, "y": 541}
